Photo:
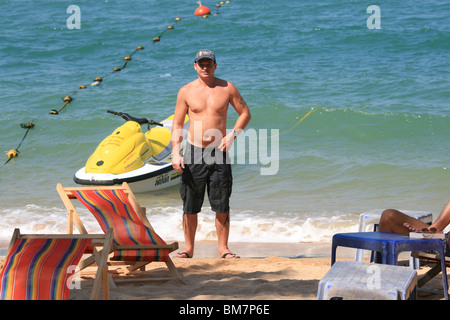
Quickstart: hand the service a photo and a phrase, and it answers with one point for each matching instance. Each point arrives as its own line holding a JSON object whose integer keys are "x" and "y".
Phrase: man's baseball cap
{"x": 205, "y": 54}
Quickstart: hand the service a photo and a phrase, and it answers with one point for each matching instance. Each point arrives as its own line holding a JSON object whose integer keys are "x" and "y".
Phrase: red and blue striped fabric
{"x": 112, "y": 209}
{"x": 38, "y": 269}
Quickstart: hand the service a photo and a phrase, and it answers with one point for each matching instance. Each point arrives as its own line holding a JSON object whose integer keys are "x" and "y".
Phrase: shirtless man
{"x": 206, "y": 163}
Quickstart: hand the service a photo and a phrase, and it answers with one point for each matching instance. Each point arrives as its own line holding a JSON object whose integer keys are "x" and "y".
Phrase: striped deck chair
{"x": 42, "y": 266}
{"x": 134, "y": 241}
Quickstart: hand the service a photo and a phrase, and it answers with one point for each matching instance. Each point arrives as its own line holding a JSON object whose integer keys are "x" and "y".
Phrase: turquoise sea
{"x": 377, "y": 136}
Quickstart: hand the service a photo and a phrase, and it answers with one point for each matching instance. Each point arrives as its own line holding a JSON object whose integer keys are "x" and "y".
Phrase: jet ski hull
{"x": 150, "y": 177}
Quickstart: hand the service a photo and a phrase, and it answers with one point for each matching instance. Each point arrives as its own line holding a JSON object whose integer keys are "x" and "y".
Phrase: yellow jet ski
{"x": 143, "y": 160}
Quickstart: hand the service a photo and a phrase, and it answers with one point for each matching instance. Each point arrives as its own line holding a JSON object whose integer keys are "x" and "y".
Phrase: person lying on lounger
{"x": 398, "y": 222}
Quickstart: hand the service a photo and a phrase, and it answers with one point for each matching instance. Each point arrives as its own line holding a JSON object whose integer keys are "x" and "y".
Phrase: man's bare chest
{"x": 208, "y": 101}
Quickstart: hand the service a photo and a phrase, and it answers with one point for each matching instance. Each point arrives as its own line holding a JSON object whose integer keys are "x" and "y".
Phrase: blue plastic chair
{"x": 389, "y": 246}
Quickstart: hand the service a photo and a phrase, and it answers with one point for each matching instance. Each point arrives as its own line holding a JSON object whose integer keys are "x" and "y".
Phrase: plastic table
{"x": 389, "y": 246}
{"x": 372, "y": 218}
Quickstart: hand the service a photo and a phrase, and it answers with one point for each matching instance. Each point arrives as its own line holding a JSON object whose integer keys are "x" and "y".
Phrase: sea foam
{"x": 246, "y": 226}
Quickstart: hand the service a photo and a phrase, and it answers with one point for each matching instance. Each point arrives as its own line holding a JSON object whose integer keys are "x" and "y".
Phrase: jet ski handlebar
{"x": 128, "y": 117}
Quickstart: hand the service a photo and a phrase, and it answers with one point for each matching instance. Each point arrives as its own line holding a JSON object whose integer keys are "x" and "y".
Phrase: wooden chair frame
{"x": 66, "y": 194}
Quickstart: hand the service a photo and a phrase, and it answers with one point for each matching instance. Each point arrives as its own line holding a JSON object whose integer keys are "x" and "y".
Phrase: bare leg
{"x": 190, "y": 222}
{"x": 223, "y": 231}
{"x": 443, "y": 220}
{"x": 397, "y": 222}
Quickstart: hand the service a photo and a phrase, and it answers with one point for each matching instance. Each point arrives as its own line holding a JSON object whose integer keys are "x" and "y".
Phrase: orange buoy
{"x": 201, "y": 11}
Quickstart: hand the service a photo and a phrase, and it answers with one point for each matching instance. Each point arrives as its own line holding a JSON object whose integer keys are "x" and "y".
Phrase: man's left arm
{"x": 242, "y": 109}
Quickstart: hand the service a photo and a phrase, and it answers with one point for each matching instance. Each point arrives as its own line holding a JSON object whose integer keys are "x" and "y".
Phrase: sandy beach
{"x": 268, "y": 275}
{"x": 265, "y": 271}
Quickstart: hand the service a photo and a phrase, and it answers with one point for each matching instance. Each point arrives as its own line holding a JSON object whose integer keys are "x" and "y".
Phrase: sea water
{"x": 372, "y": 81}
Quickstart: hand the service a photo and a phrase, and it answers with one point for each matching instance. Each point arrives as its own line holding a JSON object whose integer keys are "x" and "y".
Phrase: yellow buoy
{"x": 127, "y": 58}
{"x": 27, "y": 125}
{"x": 12, "y": 153}
{"x": 82, "y": 86}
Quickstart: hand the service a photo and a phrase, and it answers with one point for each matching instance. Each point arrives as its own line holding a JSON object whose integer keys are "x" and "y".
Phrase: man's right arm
{"x": 181, "y": 110}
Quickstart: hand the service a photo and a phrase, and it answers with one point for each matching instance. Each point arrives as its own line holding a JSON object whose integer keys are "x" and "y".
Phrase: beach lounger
{"x": 135, "y": 242}
{"x": 430, "y": 258}
{"x": 41, "y": 266}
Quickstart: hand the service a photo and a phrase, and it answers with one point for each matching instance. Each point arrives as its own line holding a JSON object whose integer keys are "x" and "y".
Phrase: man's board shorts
{"x": 205, "y": 169}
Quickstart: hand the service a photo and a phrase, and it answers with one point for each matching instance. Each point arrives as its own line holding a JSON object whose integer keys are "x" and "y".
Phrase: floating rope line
{"x": 304, "y": 117}
{"x": 293, "y": 127}
{"x": 219, "y": 5}
{"x": 97, "y": 81}
{"x": 13, "y": 153}
{"x": 67, "y": 100}
{"x": 127, "y": 59}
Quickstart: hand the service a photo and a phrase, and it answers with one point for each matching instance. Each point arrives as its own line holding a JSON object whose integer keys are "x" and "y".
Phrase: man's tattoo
{"x": 243, "y": 103}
